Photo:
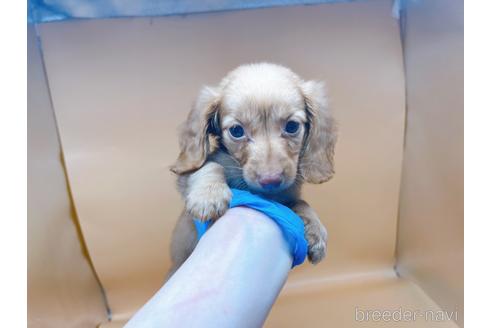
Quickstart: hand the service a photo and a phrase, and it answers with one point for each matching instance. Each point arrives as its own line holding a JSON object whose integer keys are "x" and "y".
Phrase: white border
{"x": 478, "y": 162}
{"x": 13, "y": 168}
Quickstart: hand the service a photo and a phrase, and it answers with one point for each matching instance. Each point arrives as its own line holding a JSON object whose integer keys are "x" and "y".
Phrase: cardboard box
{"x": 104, "y": 102}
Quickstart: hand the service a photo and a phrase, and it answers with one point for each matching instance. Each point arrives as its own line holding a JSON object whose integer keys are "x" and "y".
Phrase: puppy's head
{"x": 275, "y": 126}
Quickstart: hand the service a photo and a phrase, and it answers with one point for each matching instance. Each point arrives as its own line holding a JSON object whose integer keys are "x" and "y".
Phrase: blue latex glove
{"x": 289, "y": 222}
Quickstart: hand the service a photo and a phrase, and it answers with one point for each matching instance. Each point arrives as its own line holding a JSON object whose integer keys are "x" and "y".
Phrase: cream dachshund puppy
{"x": 262, "y": 129}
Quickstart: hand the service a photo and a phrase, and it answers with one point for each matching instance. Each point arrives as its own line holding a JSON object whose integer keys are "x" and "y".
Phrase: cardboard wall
{"x": 62, "y": 288}
{"x": 121, "y": 87}
{"x": 430, "y": 234}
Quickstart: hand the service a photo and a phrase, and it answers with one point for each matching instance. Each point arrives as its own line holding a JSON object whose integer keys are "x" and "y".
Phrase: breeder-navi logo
{"x": 403, "y": 315}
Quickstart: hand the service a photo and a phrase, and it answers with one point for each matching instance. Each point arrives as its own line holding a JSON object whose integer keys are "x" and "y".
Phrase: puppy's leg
{"x": 207, "y": 194}
{"x": 183, "y": 242}
{"x": 314, "y": 231}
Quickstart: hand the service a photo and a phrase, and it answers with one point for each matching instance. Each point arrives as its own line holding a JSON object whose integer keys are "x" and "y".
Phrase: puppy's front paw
{"x": 316, "y": 237}
{"x": 209, "y": 203}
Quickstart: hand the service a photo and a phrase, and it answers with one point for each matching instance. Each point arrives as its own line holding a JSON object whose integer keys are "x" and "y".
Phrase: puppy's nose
{"x": 270, "y": 181}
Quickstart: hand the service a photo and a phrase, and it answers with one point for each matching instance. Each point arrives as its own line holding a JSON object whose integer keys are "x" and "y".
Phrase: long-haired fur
{"x": 267, "y": 102}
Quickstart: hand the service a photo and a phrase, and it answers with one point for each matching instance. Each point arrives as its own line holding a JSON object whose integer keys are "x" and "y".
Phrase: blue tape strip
{"x": 289, "y": 222}
{"x": 40, "y": 11}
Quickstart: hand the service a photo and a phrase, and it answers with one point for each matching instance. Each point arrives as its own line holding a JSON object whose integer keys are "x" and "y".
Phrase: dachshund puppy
{"x": 262, "y": 129}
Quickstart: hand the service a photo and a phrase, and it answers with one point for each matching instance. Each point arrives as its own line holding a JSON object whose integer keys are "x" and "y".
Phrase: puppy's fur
{"x": 268, "y": 159}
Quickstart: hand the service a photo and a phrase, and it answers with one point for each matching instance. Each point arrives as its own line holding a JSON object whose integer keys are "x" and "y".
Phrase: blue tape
{"x": 290, "y": 223}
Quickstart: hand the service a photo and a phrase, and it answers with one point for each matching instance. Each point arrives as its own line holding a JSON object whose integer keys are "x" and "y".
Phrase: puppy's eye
{"x": 292, "y": 127}
{"x": 236, "y": 131}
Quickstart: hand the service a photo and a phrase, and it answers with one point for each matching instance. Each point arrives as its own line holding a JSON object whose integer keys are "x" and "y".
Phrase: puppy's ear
{"x": 316, "y": 162}
{"x": 198, "y": 135}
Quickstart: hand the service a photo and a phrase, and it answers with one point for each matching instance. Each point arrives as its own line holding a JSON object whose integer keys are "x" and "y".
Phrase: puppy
{"x": 262, "y": 129}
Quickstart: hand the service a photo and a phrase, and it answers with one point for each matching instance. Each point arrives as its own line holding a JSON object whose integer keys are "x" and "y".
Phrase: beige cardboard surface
{"x": 347, "y": 305}
{"x": 430, "y": 234}
{"x": 62, "y": 289}
{"x": 121, "y": 87}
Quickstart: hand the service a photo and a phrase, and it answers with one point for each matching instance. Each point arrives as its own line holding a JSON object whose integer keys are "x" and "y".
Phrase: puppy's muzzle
{"x": 271, "y": 181}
